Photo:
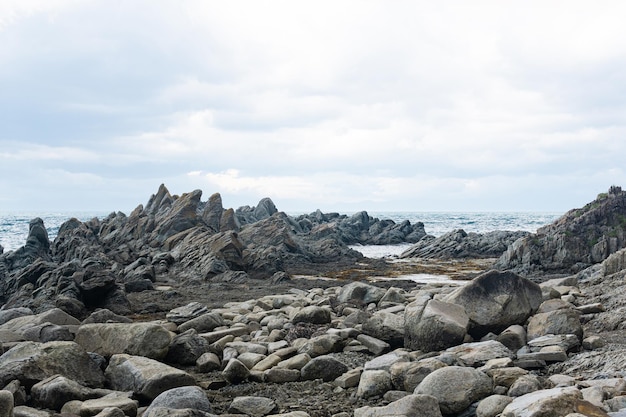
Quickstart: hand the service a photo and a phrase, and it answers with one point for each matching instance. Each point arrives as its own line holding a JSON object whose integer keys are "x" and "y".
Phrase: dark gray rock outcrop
{"x": 460, "y": 244}
{"x": 580, "y": 238}
{"x": 177, "y": 239}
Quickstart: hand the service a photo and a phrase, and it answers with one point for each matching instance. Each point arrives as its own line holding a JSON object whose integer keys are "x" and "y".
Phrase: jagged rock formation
{"x": 459, "y": 244}
{"x": 578, "y": 239}
{"x": 360, "y": 228}
{"x": 174, "y": 239}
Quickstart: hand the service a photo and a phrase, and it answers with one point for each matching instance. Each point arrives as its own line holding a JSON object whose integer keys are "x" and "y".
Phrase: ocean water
{"x": 439, "y": 223}
{"x": 14, "y": 226}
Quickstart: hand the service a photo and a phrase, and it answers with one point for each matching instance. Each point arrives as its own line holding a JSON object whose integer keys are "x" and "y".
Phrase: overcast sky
{"x": 339, "y": 105}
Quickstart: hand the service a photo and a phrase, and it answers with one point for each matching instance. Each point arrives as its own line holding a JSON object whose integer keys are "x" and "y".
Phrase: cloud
{"x": 340, "y": 103}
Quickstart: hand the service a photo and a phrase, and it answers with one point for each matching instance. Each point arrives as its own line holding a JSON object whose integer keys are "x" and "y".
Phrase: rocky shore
{"x": 184, "y": 308}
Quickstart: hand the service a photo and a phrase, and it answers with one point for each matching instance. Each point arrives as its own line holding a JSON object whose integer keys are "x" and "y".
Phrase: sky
{"x": 339, "y": 105}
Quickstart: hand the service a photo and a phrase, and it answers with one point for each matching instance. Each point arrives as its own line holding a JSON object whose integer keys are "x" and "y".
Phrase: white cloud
{"x": 352, "y": 102}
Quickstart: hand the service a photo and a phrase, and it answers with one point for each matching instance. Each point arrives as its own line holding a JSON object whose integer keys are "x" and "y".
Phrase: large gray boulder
{"x": 191, "y": 397}
{"x": 324, "y": 367}
{"x": 54, "y": 392}
{"x": 360, "y": 293}
{"x": 205, "y": 323}
{"x": 557, "y": 322}
{"x": 495, "y": 300}
{"x": 439, "y": 325}
{"x": 456, "y": 387}
{"x": 374, "y": 383}
{"x": 145, "y": 377}
{"x": 252, "y": 406}
{"x": 386, "y": 326}
{"x": 312, "y": 314}
{"x": 186, "y": 348}
{"x": 31, "y": 362}
{"x": 549, "y": 402}
{"x": 142, "y": 339}
{"x": 409, "y": 406}
{"x": 406, "y": 376}
{"x": 6, "y": 404}
{"x": 479, "y": 353}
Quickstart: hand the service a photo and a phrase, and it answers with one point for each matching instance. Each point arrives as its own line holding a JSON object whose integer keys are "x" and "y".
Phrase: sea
{"x": 14, "y": 226}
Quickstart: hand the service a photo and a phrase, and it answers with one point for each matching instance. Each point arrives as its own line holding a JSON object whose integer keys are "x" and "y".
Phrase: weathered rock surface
{"x": 145, "y": 377}
{"x": 460, "y": 244}
{"x": 456, "y": 387}
{"x": 580, "y": 238}
{"x": 496, "y": 300}
{"x": 31, "y": 362}
{"x": 439, "y": 325}
{"x": 332, "y": 350}
{"x": 95, "y": 264}
{"x": 409, "y": 406}
{"x": 107, "y": 339}
{"x": 190, "y": 397}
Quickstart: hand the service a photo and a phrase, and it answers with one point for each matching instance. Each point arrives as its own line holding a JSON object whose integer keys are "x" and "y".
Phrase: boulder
{"x": 525, "y": 384}
{"x": 360, "y": 293}
{"x": 556, "y": 322}
{"x": 6, "y": 404}
{"x": 111, "y": 412}
{"x": 104, "y": 315}
{"x": 324, "y": 367}
{"x": 555, "y": 401}
{"x": 312, "y": 314}
{"x": 12, "y": 313}
{"x": 205, "y": 323}
{"x": 321, "y": 345}
{"x": 208, "y": 362}
{"x": 54, "y": 316}
{"x": 409, "y": 406}
{"x": 47, "y": 332}
{"x": 456, "y": 387}
{"x": 186, "y": 348}
{"x": 388, "y": 327}
{"x": 115, "y": 400}
{"x": 513, "y": 337}
{"x": 187, "y": 312}
{"x": 496, "y": 300}
{"x": 31, "y": 362}
{"x": 492, "y": 406}
{"x": 407, "y": 376}
{"x": 439, "y": 326}
{"x": 55, "y": 391}
{"x": 235, "y": 372}
{"x": 252, "y": 406}
{"x": 141, "y": 339}
{"x": 182, "y": 397}
{"x": 145, "y": 377}
{"x": 478, "y": 353}
{"x": 374, "y": 383}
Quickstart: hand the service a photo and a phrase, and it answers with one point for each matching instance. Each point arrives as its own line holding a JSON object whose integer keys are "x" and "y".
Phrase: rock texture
{"x": 499, "y": 345}
{"x": 580, "y": 238}
{"x": 96, "y": 264}
{"x": 460, "y": 244}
